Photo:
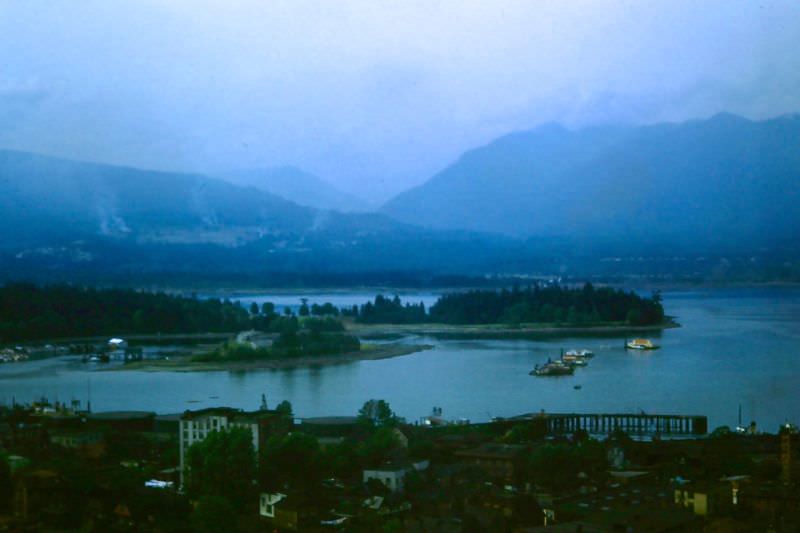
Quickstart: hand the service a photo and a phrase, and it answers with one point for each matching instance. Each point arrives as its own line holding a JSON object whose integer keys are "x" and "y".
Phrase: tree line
{"x": 585, "y": 305}
{"x": 30, "y": 312}
{"x": 549, "y": 304}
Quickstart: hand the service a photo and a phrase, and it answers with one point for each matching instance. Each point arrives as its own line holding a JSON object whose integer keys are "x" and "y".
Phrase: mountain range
{"x": 725, "y": 181}
{"x": 546, "y": 201}
{"x": 45, "y": 200}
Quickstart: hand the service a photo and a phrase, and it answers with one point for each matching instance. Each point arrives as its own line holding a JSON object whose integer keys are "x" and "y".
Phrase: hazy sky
{"x": 375, "y": 96}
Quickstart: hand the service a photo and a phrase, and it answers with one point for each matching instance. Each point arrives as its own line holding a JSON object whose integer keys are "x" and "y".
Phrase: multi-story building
{"x": 195, "y": 426}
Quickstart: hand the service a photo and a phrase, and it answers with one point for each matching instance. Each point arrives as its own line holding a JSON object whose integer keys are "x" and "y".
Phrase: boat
{"x": 640, "y": 344}
{"x": 577, "y": 387}
{"x": 574, "y": 358}
{"x": 553, "y": 368}
{"x": 586, "y": 354}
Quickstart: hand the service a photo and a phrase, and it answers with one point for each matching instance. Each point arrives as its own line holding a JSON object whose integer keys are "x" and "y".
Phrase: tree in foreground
{"x": 224, "y": 464}
{"x": 214, "y": 514}
{"x": 377, "y": 413}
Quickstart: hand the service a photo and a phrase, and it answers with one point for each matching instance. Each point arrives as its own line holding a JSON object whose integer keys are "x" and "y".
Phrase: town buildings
{"x": 195, "y": 426}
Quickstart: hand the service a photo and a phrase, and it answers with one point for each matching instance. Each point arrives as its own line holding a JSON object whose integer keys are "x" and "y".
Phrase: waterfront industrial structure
{"x": 633, "y": 424}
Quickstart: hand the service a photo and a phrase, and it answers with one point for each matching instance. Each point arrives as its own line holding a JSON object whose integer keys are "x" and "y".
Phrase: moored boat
{"x": 574, "y": 358}
{"x": 586, "y": 354}
{"x": 553, "y": 368}
{"x": 640, "y": 344}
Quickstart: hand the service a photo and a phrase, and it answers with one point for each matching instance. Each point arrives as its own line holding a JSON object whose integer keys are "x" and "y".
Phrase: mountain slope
{"x": 61, "y": 217}
{"x": 298, "y": 186}
{"x": 722, "y": 181}
{"x": 43, "y": 199}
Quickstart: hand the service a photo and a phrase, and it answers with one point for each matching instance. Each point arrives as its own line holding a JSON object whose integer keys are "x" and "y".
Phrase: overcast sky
{"x": 375, "y": 96}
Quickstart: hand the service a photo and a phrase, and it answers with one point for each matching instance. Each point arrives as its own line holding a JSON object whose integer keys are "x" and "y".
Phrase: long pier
{"x": 633, "y": 424}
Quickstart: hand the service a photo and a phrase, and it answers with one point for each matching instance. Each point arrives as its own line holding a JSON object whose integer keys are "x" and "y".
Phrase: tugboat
{"x": 640, "y": 344}
{"x": 553, "y": 368}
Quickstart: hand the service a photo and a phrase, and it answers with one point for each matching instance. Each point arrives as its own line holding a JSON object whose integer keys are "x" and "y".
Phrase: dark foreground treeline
{"x": 585, "y": 305}
{"x": 28, "y": 312}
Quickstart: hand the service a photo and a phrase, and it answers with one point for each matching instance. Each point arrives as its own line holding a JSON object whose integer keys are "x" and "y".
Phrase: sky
{"x": 373, "y": 96}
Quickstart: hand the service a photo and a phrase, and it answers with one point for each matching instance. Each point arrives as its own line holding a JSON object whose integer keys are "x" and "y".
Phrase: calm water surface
{"x": 735, "y": 346}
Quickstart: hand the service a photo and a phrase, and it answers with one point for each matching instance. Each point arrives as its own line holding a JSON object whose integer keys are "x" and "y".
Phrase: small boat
{"x": 573, "y": 358}
{"x": 586, "y": 354}
{"x": 640, "y": 344}
{"x": 553, "y": 368}
{"x": 578, "y": 387}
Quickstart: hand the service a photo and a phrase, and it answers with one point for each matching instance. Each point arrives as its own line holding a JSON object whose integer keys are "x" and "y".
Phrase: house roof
{"x": 493, "y": 451}
{"x": 393, "y": 467}
{"x": 122, "y": 415}
{"x": 331, "y": 420}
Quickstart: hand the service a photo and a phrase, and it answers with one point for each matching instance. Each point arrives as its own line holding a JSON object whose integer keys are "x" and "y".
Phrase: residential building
{"x": 392, "y": 476}
{"x": 89, "y": 443}
{"x": 267, "y": 503}
{"x": 195, "y": 426}
{"x": 497, "y": 460}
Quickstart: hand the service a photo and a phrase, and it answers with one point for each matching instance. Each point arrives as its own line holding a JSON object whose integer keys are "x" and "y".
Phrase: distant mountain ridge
{"x": 299, "y": 186}
{"x": 700, "y": 183}
{"x": 61, "y": 217}
{"x": 46, "y": 199}
{"x": 699, "y": 199}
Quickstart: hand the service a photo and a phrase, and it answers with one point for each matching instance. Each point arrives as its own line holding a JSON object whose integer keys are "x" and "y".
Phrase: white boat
{"x": 586, "y": 354}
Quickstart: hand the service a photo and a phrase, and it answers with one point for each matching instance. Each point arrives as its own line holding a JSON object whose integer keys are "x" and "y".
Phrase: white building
{"x": 195, "y": 426}
{"x": 391, "y": 476}
{"x": 267, "y": 502}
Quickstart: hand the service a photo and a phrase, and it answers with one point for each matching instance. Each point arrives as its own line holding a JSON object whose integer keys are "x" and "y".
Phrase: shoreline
{"x": 497, "y": 331}
{"x": 384, "y": 331}
{"x": 238, "y": 291}
{"x": 185, "y": 364}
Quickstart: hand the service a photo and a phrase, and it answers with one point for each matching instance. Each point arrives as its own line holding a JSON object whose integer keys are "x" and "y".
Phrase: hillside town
{"x": 66, "y": 468}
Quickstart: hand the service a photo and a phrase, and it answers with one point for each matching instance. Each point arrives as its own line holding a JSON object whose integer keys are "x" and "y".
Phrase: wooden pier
{"x": 632, "y": 424}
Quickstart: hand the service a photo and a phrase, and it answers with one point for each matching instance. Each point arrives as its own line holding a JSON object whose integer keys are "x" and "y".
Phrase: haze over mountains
{"x": 299, "y": 186}
{"x": 66, "y": 216}
{"x": 528, "y": 202}
{"x": 715, "y": 182}
{"x": 50, "y": 200}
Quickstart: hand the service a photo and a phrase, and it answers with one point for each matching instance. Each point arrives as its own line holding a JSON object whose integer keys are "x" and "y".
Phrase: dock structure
{"x": 633, "y": 424}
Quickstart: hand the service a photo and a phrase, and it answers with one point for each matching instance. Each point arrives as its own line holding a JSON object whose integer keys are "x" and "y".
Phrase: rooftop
{"x": 331, "y": 420}
{"x": 493, "y": 451}
{"x": 229, "y": 412}
{"x": 122, "y": 415}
